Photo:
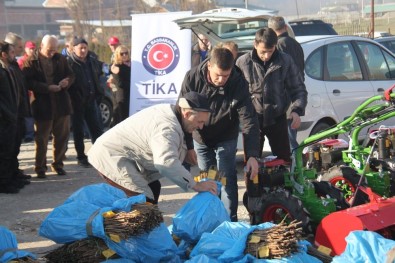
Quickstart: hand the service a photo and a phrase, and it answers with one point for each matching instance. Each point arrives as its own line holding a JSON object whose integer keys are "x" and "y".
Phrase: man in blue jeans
{"x": 230, "y": 103}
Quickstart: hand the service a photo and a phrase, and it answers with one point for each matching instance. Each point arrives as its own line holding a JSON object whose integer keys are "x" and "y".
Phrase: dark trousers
{"x": 87, "y": 113}
{"x": 19, "y": 136}
{"x": 277, "y": 135}
{"x": 60, "y": 128}
{"x": 8, "y": 168}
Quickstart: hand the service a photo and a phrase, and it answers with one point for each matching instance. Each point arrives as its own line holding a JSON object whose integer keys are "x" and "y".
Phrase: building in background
{"x": 30, "y": 18}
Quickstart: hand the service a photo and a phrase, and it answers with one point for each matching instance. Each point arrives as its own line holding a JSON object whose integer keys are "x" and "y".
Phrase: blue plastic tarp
{"x": 9, "y": 247}
{"x": 365, "y": 246}
{"x": 203, "y": 213}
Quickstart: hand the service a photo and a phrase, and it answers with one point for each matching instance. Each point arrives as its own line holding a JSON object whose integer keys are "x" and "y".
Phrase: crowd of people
{"x": 41, "y": 101}
{"x": 262, "y": 92}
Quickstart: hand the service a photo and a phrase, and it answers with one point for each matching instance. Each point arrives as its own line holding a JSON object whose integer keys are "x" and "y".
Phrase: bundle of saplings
{"x": 276, "y": 242}
{"x": 88, "y": 250}
{"x": 142, "y": 219}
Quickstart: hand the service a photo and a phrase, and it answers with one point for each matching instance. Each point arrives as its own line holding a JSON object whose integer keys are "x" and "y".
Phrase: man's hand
{"x": 206, "y": 186}
{"x": 295, "y": 120}
{"x": 252, "y": 166}
{"x": 64, "y": 83}
{"x": 191, "y": 157}
{"x": 54, "y": 88}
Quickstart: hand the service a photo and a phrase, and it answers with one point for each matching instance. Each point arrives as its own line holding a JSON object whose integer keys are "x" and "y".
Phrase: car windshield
{"x": 232, "y": 29}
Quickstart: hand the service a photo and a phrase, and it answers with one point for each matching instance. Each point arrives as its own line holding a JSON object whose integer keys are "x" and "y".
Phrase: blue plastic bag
{"x": 81, "y": 215}
{"x": 155, "y": 246}
{"x": 365, "y": 246}
{"x": 203, "y": 213}
{"x": 228, "y": 241}
{"x": 9, "y": 247}
{"x": 74, "y": 221}
{"x": 101, "y": 195}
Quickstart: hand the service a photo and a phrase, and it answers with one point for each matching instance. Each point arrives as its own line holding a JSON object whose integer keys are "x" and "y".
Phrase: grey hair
{"x": 47, "y": 38}
{"x": 276, "y": 23}
{"x": 12, "y": 38}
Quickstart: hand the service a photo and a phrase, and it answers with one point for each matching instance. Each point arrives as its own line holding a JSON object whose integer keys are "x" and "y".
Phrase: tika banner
{"x": 161, "y": 55}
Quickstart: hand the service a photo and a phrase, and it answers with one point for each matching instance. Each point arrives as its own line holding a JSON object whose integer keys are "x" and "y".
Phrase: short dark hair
{"x": 276, "y": 23}
{"x": 222, "y": 57}
{"x": 267, "y": 36}
{"x": 4, "y": 46}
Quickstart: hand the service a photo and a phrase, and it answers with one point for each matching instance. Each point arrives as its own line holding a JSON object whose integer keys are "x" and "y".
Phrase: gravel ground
{"x": 23, "y": 213}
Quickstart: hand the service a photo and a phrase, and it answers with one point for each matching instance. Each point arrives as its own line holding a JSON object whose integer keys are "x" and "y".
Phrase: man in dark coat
{"x": 86, "y": 94}
{"x": 49, "y": 76}
{"x": 216, "y": 143}
{"x": 292, "y": 47}
{"x": 8, "y": 120}
{"x": 23, "y": 104}
{"x": 275, "y": 81}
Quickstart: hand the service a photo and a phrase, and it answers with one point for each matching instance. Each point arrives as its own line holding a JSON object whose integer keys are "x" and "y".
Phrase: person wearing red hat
{"x": 113, "y": 43}
{"x": 30, "y": 46}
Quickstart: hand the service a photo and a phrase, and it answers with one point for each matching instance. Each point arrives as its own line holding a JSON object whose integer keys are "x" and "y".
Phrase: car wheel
{"x": 106, "y": 112}
{"x": 319, "y": 127}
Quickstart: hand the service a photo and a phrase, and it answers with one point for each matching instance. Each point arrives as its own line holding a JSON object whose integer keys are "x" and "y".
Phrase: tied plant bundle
{"x": 24, "y": 260}
{"x": 143, "y": 218}
{"x": 275, "y": 242}
{"x": 88, "y": 250}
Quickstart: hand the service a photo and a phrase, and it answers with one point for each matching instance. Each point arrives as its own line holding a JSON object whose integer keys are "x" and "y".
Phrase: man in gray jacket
{"x": 151, "y": 144}
{"x": 275, "y": 81}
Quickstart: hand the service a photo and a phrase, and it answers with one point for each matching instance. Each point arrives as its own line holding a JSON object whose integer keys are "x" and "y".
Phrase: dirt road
{"x": 23, "y": 213}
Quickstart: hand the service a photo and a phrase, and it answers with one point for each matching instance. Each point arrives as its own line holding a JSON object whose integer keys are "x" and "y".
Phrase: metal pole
{"x": 246, "y": 3}
{"x": 297, "y": 9}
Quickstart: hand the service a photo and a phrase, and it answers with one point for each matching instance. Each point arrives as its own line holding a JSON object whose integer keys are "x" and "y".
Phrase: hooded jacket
{"x": 47, "y": 103}
{"x": 231, "y": 106}
{"x": 273, "y": 87}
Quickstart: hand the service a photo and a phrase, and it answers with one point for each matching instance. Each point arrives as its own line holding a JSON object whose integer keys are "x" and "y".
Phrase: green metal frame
{"x": 300, "y": 178}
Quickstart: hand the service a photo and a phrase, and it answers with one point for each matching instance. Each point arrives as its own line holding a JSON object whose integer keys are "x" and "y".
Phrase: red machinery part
{"x": 387, "y": 93}
{"x": 375, "y": 216}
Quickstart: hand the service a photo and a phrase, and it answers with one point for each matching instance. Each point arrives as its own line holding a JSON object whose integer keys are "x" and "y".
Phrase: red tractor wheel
{"x": 346, "y": 179}
{"x": 281, "y": 205}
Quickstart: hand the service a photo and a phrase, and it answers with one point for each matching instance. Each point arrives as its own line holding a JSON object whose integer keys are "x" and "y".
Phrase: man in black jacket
{"x": 292, "y": 47}
{"x": 216, "y": 142}
{"x": 275, "y": 81}
{"x": 85, "y": 96}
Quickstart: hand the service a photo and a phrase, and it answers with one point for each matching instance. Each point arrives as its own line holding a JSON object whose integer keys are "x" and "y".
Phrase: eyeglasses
{"x": 124, "y": 53}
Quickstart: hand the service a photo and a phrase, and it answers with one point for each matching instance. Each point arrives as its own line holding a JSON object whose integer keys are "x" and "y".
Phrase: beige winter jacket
{"x": 143, "y": 148}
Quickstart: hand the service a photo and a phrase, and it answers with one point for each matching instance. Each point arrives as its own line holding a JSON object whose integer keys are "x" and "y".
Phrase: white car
{"x": 340, "y": 71}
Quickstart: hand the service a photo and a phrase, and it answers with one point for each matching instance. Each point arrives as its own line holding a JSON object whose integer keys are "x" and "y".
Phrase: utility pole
{"x": 371, "y": 31}
{"x": 246, "y": 3}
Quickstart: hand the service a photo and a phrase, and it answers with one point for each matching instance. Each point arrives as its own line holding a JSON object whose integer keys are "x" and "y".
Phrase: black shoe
{"x": 59, "y": 171}
{"x": 41, "y": 175}
{"x": 84, "y": 163}
{"x": 21, "y": 174}
{"x": 9, "y": 189}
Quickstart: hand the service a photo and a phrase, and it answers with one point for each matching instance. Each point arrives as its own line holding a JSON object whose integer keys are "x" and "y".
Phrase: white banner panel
{"x": 161, "y": 55}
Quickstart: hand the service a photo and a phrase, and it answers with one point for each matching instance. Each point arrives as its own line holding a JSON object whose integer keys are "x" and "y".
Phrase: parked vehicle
{"x": 340, "y": 71}
{"x": 312, "y": 27}
{"x": 388, "y": 42}
{"x": 106, "y": 104}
